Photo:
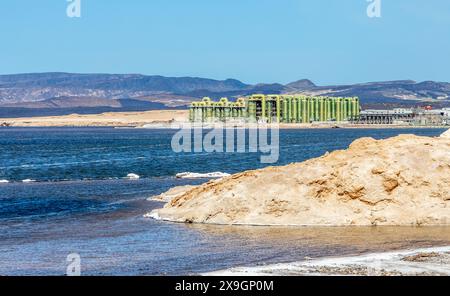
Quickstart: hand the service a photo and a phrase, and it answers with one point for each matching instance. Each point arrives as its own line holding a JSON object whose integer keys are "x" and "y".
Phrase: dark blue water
{"x": 81, "y": 204}
{"x": 56, "y": 154}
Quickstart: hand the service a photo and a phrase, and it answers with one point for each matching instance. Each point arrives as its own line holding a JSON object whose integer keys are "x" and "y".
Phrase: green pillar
{"x": 310, "y": 109}
{"x": 252, "y": 110}
{"x": 330, "y": 109}
{"x": 288, "y": 109}
{"x": 353, "y": 108}
{"x": 304, "y": 111}
{"x": 299, "y": 110}
{"x": 350, "y": 108}
{"x": 345, "y": 109}
{"x": 294, "y": 109}
{"x": 357, "y": 107}
{"x": 316, "y": 109}
{"x": 322, "y": 109}
{"x": 308, "y": 105}
{"x": 278, "y": 109}
{"x": 263, "y": 108}
{"x": 338, "y": 109}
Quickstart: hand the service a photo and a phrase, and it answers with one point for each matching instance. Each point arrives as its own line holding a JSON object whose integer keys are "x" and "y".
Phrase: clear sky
{"x": 327, "y": 41}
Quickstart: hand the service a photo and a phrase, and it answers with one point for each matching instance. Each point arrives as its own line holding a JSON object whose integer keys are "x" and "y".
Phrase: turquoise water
{"x": 80, "y": 203}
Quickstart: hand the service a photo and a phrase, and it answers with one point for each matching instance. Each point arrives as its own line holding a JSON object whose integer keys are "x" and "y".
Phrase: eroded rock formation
{"x": 403, "y": 180}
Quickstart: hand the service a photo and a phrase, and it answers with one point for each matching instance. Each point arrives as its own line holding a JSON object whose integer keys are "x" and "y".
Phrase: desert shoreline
{"x": 165, "y": 119}
{"x": 431, "y": 261}
{"x": 108, "y": 119}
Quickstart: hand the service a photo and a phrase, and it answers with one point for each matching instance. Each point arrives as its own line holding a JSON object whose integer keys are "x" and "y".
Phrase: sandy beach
{"x": 424, "y": 262}
{"x": 114, "y": 119}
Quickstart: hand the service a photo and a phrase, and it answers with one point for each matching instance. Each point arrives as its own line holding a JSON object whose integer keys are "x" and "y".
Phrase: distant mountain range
{"x": 60, "y": 93}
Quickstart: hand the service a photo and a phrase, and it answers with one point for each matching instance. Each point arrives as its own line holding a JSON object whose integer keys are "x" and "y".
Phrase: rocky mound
{"x": 403, "y": 180}
{"x": 172, "y": 193}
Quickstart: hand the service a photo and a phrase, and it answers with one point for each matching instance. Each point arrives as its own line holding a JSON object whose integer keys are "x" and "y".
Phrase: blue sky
{"x": 327, "y": 41}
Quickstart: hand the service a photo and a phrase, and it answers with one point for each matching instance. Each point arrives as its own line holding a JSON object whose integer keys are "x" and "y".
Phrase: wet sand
{"x": 343, "y": 251}
{"x": 416, "y": 262}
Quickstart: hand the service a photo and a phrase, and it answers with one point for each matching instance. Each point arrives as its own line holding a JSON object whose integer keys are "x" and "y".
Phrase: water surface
{"x": 81, "y": 204}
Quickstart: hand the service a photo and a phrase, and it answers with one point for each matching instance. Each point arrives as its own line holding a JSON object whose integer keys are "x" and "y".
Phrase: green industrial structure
{"x": 276, "y": 109}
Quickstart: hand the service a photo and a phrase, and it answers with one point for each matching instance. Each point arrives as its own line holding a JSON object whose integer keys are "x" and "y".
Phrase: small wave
{"x": 153, "y": 215}
{"x": 44, "y": 180}
{"x": 133, "y": 177}
{"x": 189, "y": 175}
{"x": 28, "y": 181}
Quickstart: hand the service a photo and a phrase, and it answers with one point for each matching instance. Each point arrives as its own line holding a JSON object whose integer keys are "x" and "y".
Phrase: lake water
{"x": 81, "y": 203}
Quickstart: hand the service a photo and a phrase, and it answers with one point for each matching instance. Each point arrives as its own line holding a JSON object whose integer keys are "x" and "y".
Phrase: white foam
{"x": 153, "y": 215}
{"x": 133, "y": 176}
{"x": 28, "y": 181}
{"x": 4, "y": 181}
{"x": 189, "y": 175}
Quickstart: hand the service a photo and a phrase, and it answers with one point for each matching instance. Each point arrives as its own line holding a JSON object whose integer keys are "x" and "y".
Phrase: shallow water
{"x": 99, "y": 215}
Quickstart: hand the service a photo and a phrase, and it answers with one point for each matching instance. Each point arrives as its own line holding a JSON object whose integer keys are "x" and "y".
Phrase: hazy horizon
{"x": 218, "y": 79}
{"x": 328, "y": 42}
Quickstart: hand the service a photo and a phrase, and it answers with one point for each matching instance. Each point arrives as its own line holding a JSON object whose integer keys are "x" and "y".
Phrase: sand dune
{"x": 172, "y": 193}
{"x": 403, "y": 180}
